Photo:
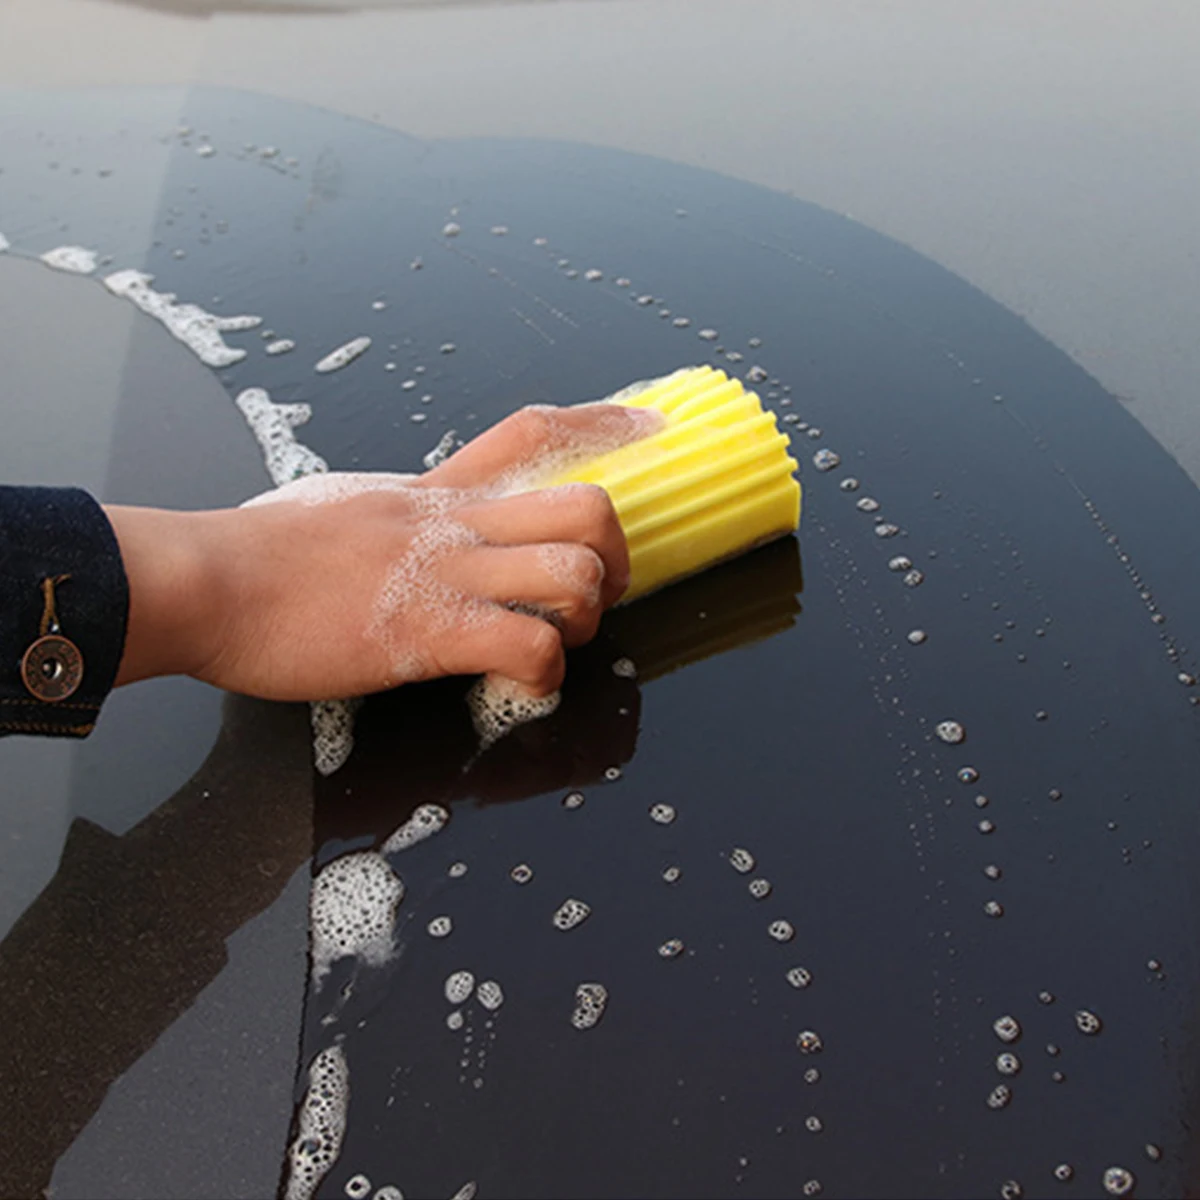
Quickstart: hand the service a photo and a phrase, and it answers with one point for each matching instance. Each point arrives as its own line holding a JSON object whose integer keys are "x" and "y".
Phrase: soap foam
{"x": 197, "y": 329}
{"x": 343, "y": 355}
{"x": 321, "y": 1124}
{"x": 333, "y": 733}
{"x": 334, "y": 486}
{"x": 498, "y": 706}
{"x": 75, "y": 259}
{"x": 351, "y": 911}
{"x": 459, "y": 986}
{"x": 427, "y": 820}
{"x": 281, "y": 346}
{"x": 570, "y": 913}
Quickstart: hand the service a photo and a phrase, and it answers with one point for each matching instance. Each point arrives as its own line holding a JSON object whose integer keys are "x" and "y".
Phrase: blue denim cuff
{"x": 62, "y": 535}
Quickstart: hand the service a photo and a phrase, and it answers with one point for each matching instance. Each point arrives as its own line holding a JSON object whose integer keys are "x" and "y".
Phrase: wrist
{"x": 172, "y": 613}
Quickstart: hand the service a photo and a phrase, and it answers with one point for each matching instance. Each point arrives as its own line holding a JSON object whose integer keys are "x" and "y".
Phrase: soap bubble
{"x": 986, "y": 826}
{"x": 993, "y": 908}
{"x": 1087, "y": 1022}
{"x": 426, "y": 820}
{"x": 1118, "y": 1181}
{"x": 357, "y": 1186}
{"x": 521, "y": 873}
{"x": 968, "y": 775}
{"x": 914, "y": 578}
{"x": 662, "y": 814}
{"x": 440, "y": 927}
{"x": 459, "y": 986}
{"x": 867, "y": 504}
{"x": 671, "y": 948}
{"x": 570, "y": 913}
{"x": 917, "y": 636}
{"x": 1000, "y": 1096}
{"x": 593, "y": 276}
{"x": 849, "y": 484}
{"x": 591, "y": 999}
{"x": 826, "y": 460}
{"x": 389, "y": 1191}
{"x": 456, "y": 870}
{"x": 671, "y": 874}
{"x": 624, "y": 668}
{"x": 351, "y": 910}
{"x": 799, "y": 977}
{"x": 950, "y": 732}
{"x": 900, "y": 563}
{"x": 1011, "y": 1189}
{"x": 454, "y": 1020}
{"x": 708, "y": 335}
{"x": 490, "y": 995}
{"x": 612, "y": 774}
{"x": 1006, "y": 1028}
{"x": 573, "y": 800}
{"x": 757, "y": 375}
{"x": 451, "y": 229}
{"x": 760, "y": 889}
{"x": 813, "y": 1124}
{"x": 808, "y": 1041}
{"x": 812, "y": 1075}
{"x": 885, "y": 529}
{"x": 781, "y": 931}
{"x": 1007, "y": 1063}
{"x": 741, "y": 860}
{"x": 1064, "y": 1172}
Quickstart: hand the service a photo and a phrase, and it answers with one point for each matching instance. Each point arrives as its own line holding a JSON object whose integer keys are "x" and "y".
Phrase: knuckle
{"x": 595, "y": 505}
{"x": 535, "y": 422}
{"x": 544, "y": 645}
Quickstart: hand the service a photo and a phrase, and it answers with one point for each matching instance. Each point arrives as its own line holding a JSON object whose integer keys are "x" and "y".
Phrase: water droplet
{"x": 741, "y": 860}
{"x": 662, "y": 814}
{"x": 1118, "y": 1181}
{"x": 914, "y": 578}
{"x": 593, "y": 275}
{"x": 681, "y": 322}
{"x": 1041, "y": 715}
{"x": 900, "y": 563}
{"x": 781, "y": 931}
{"x": 812, "y": 1075}
{"x": 754, "y": 343}
{"x": 1011, "y": 1189}
{"x": 849, "y": 484}
{"x": 671, "y": 874}
{"x": 1087, "y": 1022}
{"x": 451, "y": 229}
{"x": 986, "y": 826}
{"x": 813, "y": 1124}
{"x": 1052, "y": 1050}
{"x": 968, "y": 775}
{"x": 950, "y": 732}
{"x": 917, "y": 636}
{"x": 645, "y": 301}
{"x": 799, "y": 977}
{"x": 440, "y": 927}
{"x": 1000, "y": 1096}
{"x": 1064, "y": 1172}
{"x": 1055, "y": 794}
{"x": 885, "y": 529}
{"x": 1153, "y": 1152}
{"x": 623, "y": 282}
{"x": 707, "y": 335}
{"x": 447, "y": 348}
{"x": 456, "y": 870}
{"x": 826, "y": 460}
{"x": 867, "y": 504}
{"x": 993, "y": 908}
{"x": 379, "y": 305}
{"x": 1006, "y": 1028}
{"x": 757, "y": 375}
{"x": 981, "y": 801}
{"x": 612, "y": 774}
{"x": 1045, "y": 997}
{"x": 454, "y": 1020}
{"x": 812, "y": 1187}
{"x": 992, "y": 871}
{"x": 571, "y": 913}
{"x": 573, "y": 800}
{"x": 1008, "y": 1063}
{"x": 808, "y": 1041}
{"x": 521, "y": 873}
{"x": 671, "y": 948}
{"x": 760, "y": 889}
{"x": 624, "y": 668}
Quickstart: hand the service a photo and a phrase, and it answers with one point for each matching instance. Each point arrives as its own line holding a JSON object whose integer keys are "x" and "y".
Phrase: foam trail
{"x": 76, "y": 259}
{"x": 272, "y": 425}
{"x": 343, "y": 355}
{"x": 321, "y": 1125}
{"x": 427, "y": 820}
{"x": 197, "y": 329}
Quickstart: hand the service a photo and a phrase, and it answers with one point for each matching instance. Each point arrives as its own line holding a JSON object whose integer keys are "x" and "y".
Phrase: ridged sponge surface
{"x": 716, "y": 481}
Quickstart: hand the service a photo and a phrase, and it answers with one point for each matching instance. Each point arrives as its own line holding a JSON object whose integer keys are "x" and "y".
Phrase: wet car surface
{"x": 1032, "y": 864}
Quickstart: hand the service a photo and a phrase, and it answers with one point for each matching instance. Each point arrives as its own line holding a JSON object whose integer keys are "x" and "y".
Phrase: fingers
{"x": 508, "y": 644}
{"x": 540, "y": 439}
{"x": 578, "y": 513}
{"x": 562, "y": 579}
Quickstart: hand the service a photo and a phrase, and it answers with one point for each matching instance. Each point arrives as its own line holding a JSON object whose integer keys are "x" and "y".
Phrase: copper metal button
{"x": 52, "y": 668}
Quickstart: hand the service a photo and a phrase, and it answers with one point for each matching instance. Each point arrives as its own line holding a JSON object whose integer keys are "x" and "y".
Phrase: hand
{"x": 344, "y": 584}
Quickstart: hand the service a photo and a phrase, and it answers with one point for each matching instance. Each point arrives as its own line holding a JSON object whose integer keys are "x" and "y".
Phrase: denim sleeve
{"x": 59, "y": 535}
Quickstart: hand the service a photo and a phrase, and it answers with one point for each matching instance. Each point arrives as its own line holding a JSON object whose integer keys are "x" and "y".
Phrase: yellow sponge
{"x": 715, "y": 482}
